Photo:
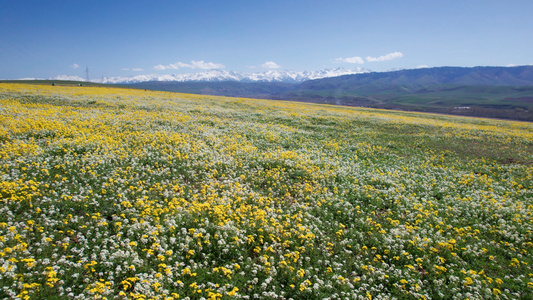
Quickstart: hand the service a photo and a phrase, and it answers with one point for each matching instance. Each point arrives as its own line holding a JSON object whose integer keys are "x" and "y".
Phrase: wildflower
{"x": 233, "y": 292}
{"x": 468, "y": 281}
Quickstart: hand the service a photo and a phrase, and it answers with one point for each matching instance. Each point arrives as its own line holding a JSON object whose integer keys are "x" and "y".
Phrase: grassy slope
{"x": 506, "y": 102}
{"x": 60, "y": 83}
{"x": 483, "y": 101}
{"x": 501, "y": 92}
{"x": 121, "y": 192}
{"x": 225, "y": 88}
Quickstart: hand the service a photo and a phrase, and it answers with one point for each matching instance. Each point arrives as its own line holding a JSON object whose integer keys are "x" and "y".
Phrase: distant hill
{"x": 416, "y": 79}
{"x": 499, "y": 92}
{"x": 222, "y": 88}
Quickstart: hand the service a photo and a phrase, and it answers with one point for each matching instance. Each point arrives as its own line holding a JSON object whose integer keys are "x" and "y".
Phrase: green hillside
{"x": 224, "y": 88}
{"x": 482, "y": 101}
{"x": 496, "y": 92}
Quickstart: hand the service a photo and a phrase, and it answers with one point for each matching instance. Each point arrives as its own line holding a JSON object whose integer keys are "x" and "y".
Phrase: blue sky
{"x": 124, "y": 38}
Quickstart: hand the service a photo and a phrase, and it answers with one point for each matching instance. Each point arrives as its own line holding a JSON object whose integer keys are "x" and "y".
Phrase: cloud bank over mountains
{"x": 351, "y": 60}
{"x": 270, "y": 65}
{"x": 389, "y": 56}
{"x": 212, "y": 71}
{"x": 200, "y": 64}
{"x": 360, "y": 60}
{"x": 194, "y": 64}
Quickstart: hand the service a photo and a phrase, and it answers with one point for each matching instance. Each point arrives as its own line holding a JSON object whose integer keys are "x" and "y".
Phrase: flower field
{"x": 111, "y": 193}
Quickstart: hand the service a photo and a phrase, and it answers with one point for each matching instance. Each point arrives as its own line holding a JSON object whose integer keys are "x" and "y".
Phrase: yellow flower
{"x": 233, "y": 292}
{"x": 468, "y": 281}
{"x": 301, "y": 273}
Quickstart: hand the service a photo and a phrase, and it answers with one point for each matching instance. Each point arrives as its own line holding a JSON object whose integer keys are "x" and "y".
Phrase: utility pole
{"x": 87, "y": 73}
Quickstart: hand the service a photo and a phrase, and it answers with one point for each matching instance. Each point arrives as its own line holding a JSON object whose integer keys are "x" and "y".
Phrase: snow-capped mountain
{"x": 67, "y": 78}
{"x": 222, "y": 75}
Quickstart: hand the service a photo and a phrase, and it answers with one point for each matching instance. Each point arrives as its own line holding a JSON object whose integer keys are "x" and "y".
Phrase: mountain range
{"x": 500, "y": 92}
{"x": 285, "y": 76}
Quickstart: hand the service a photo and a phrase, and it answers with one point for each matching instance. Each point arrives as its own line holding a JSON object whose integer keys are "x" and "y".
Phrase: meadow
{"x": 132, "y": 194}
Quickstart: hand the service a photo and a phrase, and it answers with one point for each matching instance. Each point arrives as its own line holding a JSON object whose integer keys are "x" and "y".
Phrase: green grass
{"x": 483, "y": 101}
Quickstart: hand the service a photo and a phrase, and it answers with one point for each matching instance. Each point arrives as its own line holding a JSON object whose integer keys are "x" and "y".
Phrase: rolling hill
{"x": 498, "y": 92}
{"x": 501, "y": 92}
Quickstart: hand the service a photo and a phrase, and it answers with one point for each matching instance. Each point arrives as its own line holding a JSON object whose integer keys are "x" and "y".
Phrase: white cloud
{"x": 194, "y": 64}
{"x": 206, "y": 65}
{"x": 133, "y": 69}
{"x": 386, "y": 57}
{"x": 179, "y": 65}
{"x": 270, "y": 65}
{"x": 422, "y": 66}
{"x": 351, "y": 60}
{"x": 74, "y": 66}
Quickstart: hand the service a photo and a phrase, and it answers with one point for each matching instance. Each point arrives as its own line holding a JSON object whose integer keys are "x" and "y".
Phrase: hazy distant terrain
{"x": 223, "y": 88}
{"x": 500, "y": 92}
